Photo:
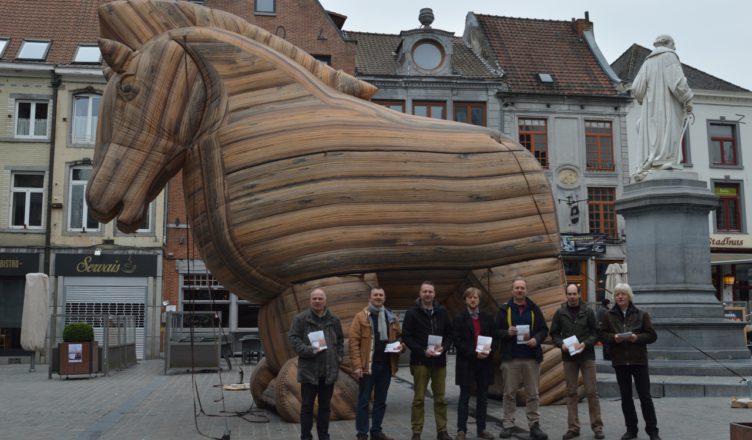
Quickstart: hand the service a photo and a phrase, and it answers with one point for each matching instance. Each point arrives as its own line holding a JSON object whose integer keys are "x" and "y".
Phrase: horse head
{"x": 145, "y": 131}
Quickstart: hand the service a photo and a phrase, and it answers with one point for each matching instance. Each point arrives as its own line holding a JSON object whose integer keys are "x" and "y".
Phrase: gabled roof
{"x": 377, "y": 55}
{"x": 66, "y": 24}
{"x": 525, "y": 47}
{"x": 629, "y": 63}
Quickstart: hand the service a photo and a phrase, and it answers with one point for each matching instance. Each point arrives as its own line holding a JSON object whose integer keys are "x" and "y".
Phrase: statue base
{"x": 668, "y": 253}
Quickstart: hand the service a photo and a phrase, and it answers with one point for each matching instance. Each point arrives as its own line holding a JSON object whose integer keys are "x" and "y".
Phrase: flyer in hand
{"x": 484, "y": 344}
{"x": 317, "y": 340}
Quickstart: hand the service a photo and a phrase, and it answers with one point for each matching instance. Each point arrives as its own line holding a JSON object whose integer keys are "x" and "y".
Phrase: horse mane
{"x": 135, "y": 22}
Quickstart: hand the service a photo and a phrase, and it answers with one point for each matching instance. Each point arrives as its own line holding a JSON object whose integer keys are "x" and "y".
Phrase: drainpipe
{"x": 56, "y": 80}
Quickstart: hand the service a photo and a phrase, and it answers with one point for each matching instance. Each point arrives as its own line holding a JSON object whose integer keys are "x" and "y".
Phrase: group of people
{"x": 516, "y": 332}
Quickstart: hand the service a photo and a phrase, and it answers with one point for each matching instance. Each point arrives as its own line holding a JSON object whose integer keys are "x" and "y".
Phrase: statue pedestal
{"x": 669, "y": 270}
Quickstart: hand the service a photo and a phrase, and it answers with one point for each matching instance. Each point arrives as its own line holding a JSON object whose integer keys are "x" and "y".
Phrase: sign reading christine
{"x": 117, "y": 265}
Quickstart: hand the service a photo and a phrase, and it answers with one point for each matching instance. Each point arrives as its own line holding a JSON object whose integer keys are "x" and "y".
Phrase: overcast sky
{"x": 713, "y": 36}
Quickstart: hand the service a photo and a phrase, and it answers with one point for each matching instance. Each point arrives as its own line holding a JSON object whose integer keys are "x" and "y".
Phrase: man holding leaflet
{"x": 575, "y": 330}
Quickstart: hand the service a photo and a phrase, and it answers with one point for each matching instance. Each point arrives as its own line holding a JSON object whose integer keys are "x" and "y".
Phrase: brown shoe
{"x": 380, "y": 436}
{"x": 460, "y": 436}
{"x": 485, "y": 435}
{"x": 600, "y": 435}
{"x": 443, "y": 435}
{"x": 570, "y": 435}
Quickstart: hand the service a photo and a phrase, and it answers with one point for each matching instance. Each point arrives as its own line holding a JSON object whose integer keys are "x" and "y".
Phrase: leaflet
{"x": 570, "y": 343}
{"x": 393, "y": 347}
{"x": 434, "y": 343}
{"x": 484, "y": 344}
{"x": 523, "y": 334}
{"x": 317, "y": 340}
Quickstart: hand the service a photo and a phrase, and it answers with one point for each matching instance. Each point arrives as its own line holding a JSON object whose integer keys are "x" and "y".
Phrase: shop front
{"x": 731, "y": 259}
{"x": 119, "y": 284}
{"x": 13, "y": 269}
{"x": 586, "y": 258}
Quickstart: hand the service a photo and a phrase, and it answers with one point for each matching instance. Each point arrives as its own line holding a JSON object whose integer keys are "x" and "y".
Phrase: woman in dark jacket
{"x": 630, "y": 329}
{"x": 473, "y": 367}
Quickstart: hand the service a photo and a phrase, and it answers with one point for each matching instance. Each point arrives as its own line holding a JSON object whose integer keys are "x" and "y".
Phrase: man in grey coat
{"x": 318, "y": 361}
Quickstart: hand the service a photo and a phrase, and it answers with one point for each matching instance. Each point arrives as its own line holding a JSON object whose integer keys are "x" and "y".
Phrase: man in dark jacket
{"x": 521, "y": 355}
{"x": 428, "y": 362}
{"x": 574, "y": 318}
{"x": 630, "y": 330}
{"x": 474, "y": 361}
{"x": 318, "y": 362}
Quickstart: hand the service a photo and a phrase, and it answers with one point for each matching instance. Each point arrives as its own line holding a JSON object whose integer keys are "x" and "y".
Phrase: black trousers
{"x": 624, "y": 376}
{"x": 308, "y": 393}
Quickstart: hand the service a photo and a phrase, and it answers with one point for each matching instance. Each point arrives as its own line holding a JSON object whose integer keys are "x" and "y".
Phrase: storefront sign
{"x": 18, "y": 264}
{"x": 118, "y": 265}
{"x": 730, "y": 241}
{"x": 583, "y": 244}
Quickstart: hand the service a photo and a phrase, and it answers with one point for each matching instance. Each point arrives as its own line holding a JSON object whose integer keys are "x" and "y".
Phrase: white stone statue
{"x": 661, "y": 88}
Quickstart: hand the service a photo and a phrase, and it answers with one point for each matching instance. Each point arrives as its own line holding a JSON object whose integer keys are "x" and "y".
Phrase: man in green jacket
{"x": 575, "y": 319}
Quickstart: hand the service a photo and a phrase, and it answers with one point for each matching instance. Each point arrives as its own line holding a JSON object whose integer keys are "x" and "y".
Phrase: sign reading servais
{"x": 118, "y": 265}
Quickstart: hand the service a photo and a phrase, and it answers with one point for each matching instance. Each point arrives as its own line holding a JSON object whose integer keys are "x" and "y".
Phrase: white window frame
{"x": 85, "y": 209}
{"x": 32, "y": 120}
{"x": 150, "y": 222}
{"x": 90, "y": 124}
{"x": 27, "y": 191}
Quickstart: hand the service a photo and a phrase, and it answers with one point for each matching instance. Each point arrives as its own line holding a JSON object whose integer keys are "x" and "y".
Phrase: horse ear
{"x": 115, "y": 54}
{"x": 107, "y": 72}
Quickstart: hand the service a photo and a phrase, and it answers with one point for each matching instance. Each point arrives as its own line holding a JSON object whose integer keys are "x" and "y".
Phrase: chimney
{"x": 582, "y": 25}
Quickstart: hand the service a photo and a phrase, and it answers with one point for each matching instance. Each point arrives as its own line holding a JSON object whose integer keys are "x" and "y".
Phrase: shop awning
{"x": 726, "y": 258}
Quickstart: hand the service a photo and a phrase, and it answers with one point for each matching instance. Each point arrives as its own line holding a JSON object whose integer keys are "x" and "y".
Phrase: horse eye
{"x": 128, "y": 89}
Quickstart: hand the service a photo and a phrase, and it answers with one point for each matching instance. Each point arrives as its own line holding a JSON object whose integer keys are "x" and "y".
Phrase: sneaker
{"x": 460, "y": 436}
{"x": 629, "y": 435}
{"x": 505, "y": 432}
{"x": 443, "y": 435}
{"x": 536, "y": 433}
{"x": 600, "y": 435}
{"x": 570, "y": 435}
{"x": 486, "y": 435}
{"x": 380, "y": 436}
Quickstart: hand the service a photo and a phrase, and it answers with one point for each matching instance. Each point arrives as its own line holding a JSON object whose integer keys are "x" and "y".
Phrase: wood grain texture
{"x": 292, "y": 181}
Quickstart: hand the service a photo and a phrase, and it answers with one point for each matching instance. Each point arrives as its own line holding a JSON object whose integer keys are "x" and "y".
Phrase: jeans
{"x": 308, "y": 393}
{"x": 624, "y": 375}
{"x": 571, "y": 375}
{"x": 516, "y": 372}
{"x": 378, "y": 383}
{"x": 481, "y": 401}
{"x": 421, "y": 375}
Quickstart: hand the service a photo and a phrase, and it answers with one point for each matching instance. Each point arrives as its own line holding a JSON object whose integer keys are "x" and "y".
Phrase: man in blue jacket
{"x": 521, "y": 356}
{"x": 428, "y": 362}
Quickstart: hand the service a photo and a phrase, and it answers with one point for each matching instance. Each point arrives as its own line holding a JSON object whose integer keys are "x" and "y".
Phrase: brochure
{"x": 523, "y": 334}
{"x": 434, "y": 343}
{"x": 484, "y": 344}
{"x": 317, "y": 340}
{"x": 393, "y": 347}
{"x": 569, "y": 343}
{"x": 625, "y": 335}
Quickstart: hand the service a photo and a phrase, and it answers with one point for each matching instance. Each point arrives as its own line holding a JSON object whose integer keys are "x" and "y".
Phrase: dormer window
{"x": 428, "y": 55}
{"x": 265, "y": 7}
{"x": 545, "y": 78}
{"x": 33, "y": 50}
{"x": 3, "y": 45}
{"x": 87, "y": 53}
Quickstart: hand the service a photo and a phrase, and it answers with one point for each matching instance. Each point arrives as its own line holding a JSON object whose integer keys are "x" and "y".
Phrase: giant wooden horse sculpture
{"x": 293, "y": 180}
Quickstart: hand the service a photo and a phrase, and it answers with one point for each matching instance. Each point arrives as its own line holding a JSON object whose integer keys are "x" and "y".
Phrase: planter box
{"x": 78, "y": 358}
{"x": 741, "y": 431}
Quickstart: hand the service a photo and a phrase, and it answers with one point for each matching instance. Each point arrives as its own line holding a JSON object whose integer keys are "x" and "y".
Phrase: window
{"x": 146, "y": 225}
{"x": 398, "y": 106}
{"x": 430, "y": 109}
{"x": 723, "y": 149}
{"x": 33, "y": 50}
{"x": 599, "y": 146}
{"x": 85, "y": 116}
{"x": 534, "y": 137}
{"x": 326, "y": 59}
{"x": 470, "y": 112}
{"x": 203, "y": 292}
{"x": 78, "y": 213}
{"x": 602, "y": 211}
{"x": 27, "y": 194}
{"x": 265, "y": 6}
{"x": 87, "y": 54}
{"x": 728, "y": 217}
{"x": 31, "y": 119}
{"x": 428, "y": 55}
{"x": 3, "y": 45}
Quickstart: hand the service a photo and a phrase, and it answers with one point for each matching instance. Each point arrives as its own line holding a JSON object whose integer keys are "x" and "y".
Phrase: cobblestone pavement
{"x": 143, "y": 403}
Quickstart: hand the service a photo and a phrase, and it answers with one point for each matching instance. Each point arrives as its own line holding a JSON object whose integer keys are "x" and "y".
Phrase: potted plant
{"x": 79, "y": 351}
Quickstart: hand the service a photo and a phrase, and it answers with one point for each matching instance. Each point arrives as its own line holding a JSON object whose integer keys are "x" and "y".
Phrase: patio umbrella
{"x": 615, "y": 273}
{"x": 35, "y": 317}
